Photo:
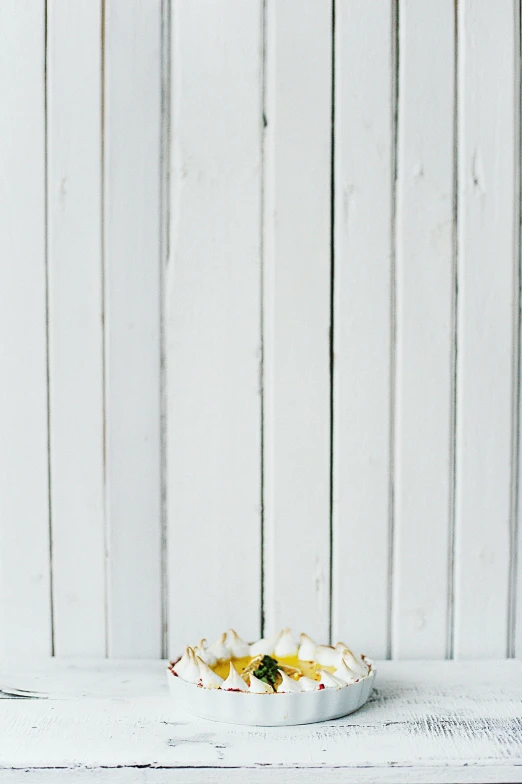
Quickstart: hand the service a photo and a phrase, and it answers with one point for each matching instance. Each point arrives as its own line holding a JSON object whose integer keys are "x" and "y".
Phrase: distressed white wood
{"x": 213, "y": 313}
{"x": 362, "y": 323}
{"x": 516, "y": 607}
{"x": 517, "y": 573}
{"x": 487, "y": 210}
{"x": 74, "y": 191}
{"x": 424, "y": 340}
{"x": 25, "y": 617}
{"x": 193, "y": 775}
{"x": 297, "y": 316}
{"x": 132, "y": 116}
{"x": 220, "y": 166}
{"x": 427, "y": 722}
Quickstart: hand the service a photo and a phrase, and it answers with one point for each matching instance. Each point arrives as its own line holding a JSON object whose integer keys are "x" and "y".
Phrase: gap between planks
{"x": 47, "y": 359}
{"x": 395, "y": 54}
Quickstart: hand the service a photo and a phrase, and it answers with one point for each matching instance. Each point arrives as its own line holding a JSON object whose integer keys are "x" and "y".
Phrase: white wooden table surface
{"x": 115, "y": 721}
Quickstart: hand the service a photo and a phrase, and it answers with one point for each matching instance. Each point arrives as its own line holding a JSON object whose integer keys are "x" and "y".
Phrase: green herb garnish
{"x": 267, "y": 670}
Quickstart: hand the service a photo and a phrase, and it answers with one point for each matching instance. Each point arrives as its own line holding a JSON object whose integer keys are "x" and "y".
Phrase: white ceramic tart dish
{"x": 272, "y": 682}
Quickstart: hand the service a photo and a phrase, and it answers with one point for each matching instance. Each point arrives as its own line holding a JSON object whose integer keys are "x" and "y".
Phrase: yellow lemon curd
{"x": 310, "y": 669}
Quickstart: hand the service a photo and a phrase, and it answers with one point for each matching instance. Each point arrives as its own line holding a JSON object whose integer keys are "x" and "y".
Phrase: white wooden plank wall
{"x": 25, "y": 608}
{"x": 213, "y": 310}
{"x": 488, "y": 258}
{"x": 132, "y": 232}
{"x": 74, "y": 191}
{"x": 296, "y": 320}
{"x": 81, "y": 417}
{"x": 324, "y": 202}
{"x": 424, "y": 253}
{"x": 364, "y": 172}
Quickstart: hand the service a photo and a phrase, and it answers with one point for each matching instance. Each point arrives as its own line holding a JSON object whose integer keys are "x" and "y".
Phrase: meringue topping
{"x": 237, "y": 646}
{"x": 329, "y": 681}
{"x": 187, "y": 667}
{"x": 287, "y": 684}
{"x": 307, "y": 684}
{"x": 353, "y": 661}
{"x": 345, "y": 674}
{"x": 271, "y": 664}
{"x": 263, "y": 647}
{"x": 203, "y": 651}
{"x": 327, "y": 656}
{"x": 209, "y": 678}
{"x": 234, "y": 682}
{"x": 285, "y": 645}
{"x": 258, "y": 686}
{"x": 219, "y": 649}
{"x": 307, "y": 648}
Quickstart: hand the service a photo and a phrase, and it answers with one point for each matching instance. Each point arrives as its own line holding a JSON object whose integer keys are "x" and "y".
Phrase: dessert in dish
{"x": 305, "y": 682}
{"x": 278, "y": 665}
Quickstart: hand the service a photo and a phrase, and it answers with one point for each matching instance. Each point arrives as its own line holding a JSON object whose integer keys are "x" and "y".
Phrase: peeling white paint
{"x": 426, "y": 722}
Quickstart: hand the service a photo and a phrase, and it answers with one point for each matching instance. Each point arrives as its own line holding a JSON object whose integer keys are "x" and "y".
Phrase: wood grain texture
{"x": 443, "y": 774}
{"x": 426, "y": 722}
{"x": 213, "y": 322}
{"x": 297, "y": 316}
{"x": 132, "y": 322}
{"x": 74, "y": 192}
{"x": 516, "y": 587}
{"x": 25, "y": 613}
{"x": 362, "y": 323}
{"x": 83, "y": 192}
{"x": 487, "y": 209}
{"x": 425, "y": 329}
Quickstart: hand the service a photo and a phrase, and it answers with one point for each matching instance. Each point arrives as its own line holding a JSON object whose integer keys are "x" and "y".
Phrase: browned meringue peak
{"x": 327, "y": 656}
{"x": 287, "y": 685}
{"x": 209, "y": 678}
{"x": 203, "y": 651}
{"x": 285, "y": 644}
{"x": 307, "y": 684}
{"x": 187, "y": 667}
{"x": 306, "y": 648}
{"x": 258, "y": 686}
{"x": 345, "y": 674}
{"x": 234, "y": 682}
{"x": 219, "y": 649}
{"x": 329, "y": 681}
{"x": 353, "y": 660}
{"x": 236, "y": 645}
{"x": 264, "y": 647}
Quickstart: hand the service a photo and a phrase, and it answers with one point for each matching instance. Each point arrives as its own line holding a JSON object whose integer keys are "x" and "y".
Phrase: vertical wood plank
{"x": 515, "y": 608}
{"x": 362, "y": 323}
{"x": 297, "y": 316}
{"x": 213, "y": 316}
{"x": 488, "y": 155}
{"x": 25, "y": 611}
{"x": 424, "y": 369}
{"x": 75, "y": 326}
{"x": 132, "y": 322}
